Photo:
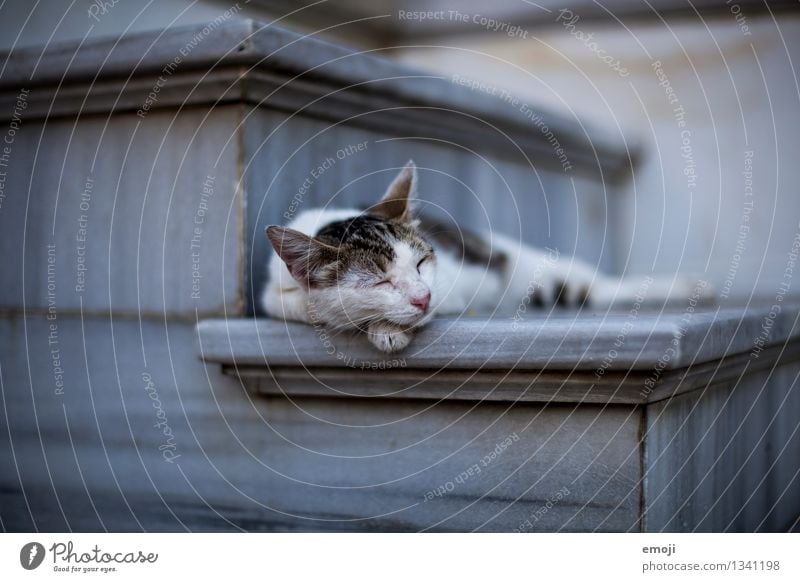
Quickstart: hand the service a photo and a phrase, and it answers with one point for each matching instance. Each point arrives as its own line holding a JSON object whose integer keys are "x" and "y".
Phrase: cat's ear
{"x": 304, "y": 256}
{"x": 396, "y": 203}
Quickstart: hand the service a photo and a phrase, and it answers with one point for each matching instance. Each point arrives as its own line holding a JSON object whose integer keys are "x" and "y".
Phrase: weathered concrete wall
{"x": 113, "y": 211}
{"x": 725, "y": 458}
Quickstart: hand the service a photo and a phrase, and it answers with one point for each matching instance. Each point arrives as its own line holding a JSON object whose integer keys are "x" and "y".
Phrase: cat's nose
{"x": 422, "y": 301}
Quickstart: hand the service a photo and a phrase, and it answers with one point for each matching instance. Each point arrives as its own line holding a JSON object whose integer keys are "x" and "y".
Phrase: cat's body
{"x": 386, "y": 272}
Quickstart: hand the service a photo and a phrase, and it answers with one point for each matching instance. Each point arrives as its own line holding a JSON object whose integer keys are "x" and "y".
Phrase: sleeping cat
{"x": 386, "y": 272}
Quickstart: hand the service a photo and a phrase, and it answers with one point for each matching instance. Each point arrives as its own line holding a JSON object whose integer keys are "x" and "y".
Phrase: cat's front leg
{"x": 388, "y": 338}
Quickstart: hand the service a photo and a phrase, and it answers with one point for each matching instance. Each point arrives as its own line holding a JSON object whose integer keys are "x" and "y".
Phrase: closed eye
{"x": 421, "y": 261}
{"x": 383, "y": 283}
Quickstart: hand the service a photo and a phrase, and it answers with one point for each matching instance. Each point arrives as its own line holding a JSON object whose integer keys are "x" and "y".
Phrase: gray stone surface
{"x": 128, "y": 193}
{"x": 719, "y": 447}
{"x": 563, "y": 342}
{"x": 263, "y": 57}
{"x": 260, "y": 464}
{"x": 413, "y": 449}
{"x": 338, "y": 464}
{"x": 726, "y": 458}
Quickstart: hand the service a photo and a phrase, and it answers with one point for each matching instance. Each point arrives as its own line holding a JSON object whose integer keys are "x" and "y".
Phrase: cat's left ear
{"x": 396, "y": 203}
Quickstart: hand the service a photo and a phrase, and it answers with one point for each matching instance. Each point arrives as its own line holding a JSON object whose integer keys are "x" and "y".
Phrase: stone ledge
{"x": 562, "y": 358}
{"x": 251, "y": 62}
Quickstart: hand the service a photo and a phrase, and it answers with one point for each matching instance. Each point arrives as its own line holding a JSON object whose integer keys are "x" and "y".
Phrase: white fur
{"x": 350, "y": 305}
{"x": 541, "y": 271}
{"x": 283, "y": 297}
{"x": 456, "y": 287}
{"x": 386, "y": 313}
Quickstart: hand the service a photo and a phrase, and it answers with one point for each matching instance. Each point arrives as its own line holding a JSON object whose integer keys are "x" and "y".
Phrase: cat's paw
{"x": 388, "y": 339}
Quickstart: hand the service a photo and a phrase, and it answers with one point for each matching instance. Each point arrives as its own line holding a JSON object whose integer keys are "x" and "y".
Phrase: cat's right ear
{"x": 304, "y": 256}
{"x": 396, "y": 203}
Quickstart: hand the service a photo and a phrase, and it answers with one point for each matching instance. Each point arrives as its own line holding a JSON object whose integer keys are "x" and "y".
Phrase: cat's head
{"x": 373, "y": 267}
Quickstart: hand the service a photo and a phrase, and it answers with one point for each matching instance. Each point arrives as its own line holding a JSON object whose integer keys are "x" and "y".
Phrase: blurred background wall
{"x": 706, "y": 93}
{"x": 716, "y": 186}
